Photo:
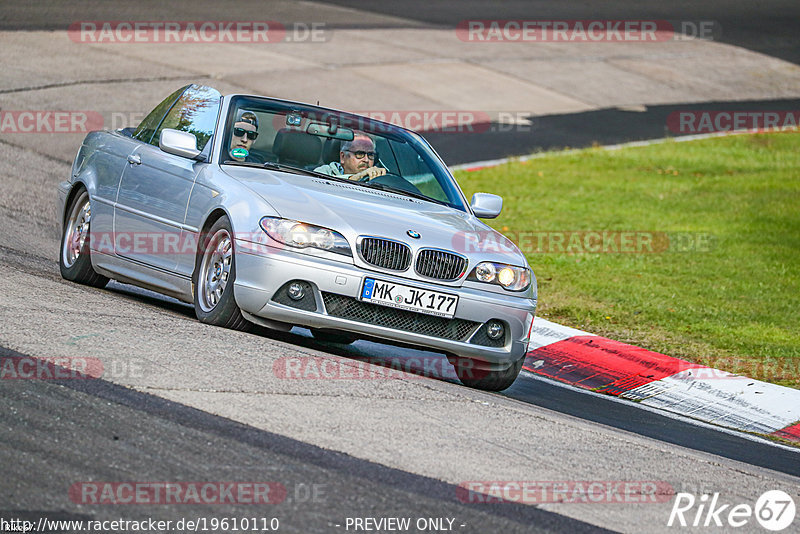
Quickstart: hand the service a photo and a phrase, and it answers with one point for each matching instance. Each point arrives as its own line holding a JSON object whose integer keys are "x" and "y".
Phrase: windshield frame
{"x": 372, "y": 126}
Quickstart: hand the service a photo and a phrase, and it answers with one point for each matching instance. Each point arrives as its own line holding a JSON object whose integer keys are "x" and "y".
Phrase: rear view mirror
{"x": 330, "y": 130}
{"x": 179, "y": 143}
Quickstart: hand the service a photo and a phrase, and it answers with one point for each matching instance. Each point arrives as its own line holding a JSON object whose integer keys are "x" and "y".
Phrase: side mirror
{"x": 180, "y": 143}
{"x": 486, "y": 205}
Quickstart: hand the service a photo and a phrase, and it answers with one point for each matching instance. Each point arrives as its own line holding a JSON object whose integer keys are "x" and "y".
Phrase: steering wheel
{"x": 368, "y": 179}
{"x": 379, "y": 164}
{"x": 394, "y": 180}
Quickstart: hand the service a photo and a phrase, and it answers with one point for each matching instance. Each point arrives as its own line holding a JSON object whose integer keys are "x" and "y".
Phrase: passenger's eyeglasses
{"x": 241, "y": 132}
{"x": 360, "y": 154}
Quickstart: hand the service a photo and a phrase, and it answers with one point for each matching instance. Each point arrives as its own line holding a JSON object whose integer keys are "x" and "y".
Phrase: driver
{"x": 356, "y": 160}
{"x": 245, "y": 132}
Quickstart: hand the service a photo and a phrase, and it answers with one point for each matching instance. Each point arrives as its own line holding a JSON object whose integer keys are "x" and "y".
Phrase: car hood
{"x": 354, "y": 210}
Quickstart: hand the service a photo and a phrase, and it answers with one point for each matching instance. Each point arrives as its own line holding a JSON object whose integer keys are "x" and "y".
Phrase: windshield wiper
{"x": 401, "y": 191}
{"x": 242, "y": 163}
{"x": 271, "y": 165}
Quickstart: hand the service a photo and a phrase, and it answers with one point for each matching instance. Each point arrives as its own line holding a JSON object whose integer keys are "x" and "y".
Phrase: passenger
{"x": 245, "y": 132}
{"x": 356, "y": 160}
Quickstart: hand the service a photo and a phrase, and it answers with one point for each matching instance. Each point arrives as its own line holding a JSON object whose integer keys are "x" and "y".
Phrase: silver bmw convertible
{"x": 270, "y": 212}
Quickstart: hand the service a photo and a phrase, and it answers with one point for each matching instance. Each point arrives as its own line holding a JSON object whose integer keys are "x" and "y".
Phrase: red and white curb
{"x": 659, "y": 381}
{"x": 656, "y": 380}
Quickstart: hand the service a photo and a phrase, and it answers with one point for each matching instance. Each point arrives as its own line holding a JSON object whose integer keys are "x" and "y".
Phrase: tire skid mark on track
{"x": 41, "y": 154}
{"x": 92, "y": 82}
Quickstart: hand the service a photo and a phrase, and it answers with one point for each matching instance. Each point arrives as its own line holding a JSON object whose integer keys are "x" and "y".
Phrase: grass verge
{"x": 691, "y": 249}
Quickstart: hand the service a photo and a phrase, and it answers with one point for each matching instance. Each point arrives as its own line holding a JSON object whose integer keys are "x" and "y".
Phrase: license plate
{"x": 409, "y": 298}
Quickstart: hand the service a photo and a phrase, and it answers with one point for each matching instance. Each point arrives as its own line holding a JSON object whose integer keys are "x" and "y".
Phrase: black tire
{"x": 213, "y": 278}
{"x": 472, "y": 376}
{"x": 333, "y": 336}
{"x": 74, "y": 258}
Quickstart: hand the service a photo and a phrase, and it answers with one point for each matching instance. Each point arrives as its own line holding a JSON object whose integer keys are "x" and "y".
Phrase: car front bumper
{"x": 260, "y": 284}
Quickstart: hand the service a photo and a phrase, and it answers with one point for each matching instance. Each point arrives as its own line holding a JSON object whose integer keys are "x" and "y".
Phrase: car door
{"x": 154, "y": 192}
{"x": 108, "y": 160}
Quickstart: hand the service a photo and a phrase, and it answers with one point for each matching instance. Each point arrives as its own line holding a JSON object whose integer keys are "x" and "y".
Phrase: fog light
{"x": 495, "y": 330}
{"x": 296, "y": 291}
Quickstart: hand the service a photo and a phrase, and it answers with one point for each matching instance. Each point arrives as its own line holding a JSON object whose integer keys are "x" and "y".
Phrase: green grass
{"x": 734, "y": 304}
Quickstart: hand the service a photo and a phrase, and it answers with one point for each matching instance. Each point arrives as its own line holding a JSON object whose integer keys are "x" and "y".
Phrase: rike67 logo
{"x": 774, "y": 510}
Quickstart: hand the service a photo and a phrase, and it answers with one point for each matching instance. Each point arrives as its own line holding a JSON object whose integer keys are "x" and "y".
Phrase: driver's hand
{"x": 368, "y": 174}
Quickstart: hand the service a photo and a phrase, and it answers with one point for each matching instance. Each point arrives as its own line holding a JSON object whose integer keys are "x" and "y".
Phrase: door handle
{"x": 134, "y": 159}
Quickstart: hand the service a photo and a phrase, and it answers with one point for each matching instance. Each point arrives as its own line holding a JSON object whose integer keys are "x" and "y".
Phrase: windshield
{"x": 260, "y": 131}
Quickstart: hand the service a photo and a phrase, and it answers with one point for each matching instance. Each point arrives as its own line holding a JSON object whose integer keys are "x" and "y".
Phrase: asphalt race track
{"x": 180, "y": 401}
{"x": 207, "y": 447}
{"x": 769, "y": 31}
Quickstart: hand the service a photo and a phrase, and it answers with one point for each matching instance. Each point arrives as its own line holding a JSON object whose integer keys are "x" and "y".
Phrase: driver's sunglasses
{"x": 360, "y": 154}
{"x": 241, "y": 132}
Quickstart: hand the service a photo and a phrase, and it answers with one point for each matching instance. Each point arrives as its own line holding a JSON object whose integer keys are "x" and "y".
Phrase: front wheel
{"x": 214, "y": 275}
{"x": 74, "y": 258}
{"x": 471, "y": 375}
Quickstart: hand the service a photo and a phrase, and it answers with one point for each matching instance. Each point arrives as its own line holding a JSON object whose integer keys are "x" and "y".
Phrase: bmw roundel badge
{"x": 412, "y": 233}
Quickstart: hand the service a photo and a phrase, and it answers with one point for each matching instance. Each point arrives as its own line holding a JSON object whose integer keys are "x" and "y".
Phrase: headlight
{"x": 507, "y": 276}
{"x": 302, "y": 235}
{"x": 485, "y": 272}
